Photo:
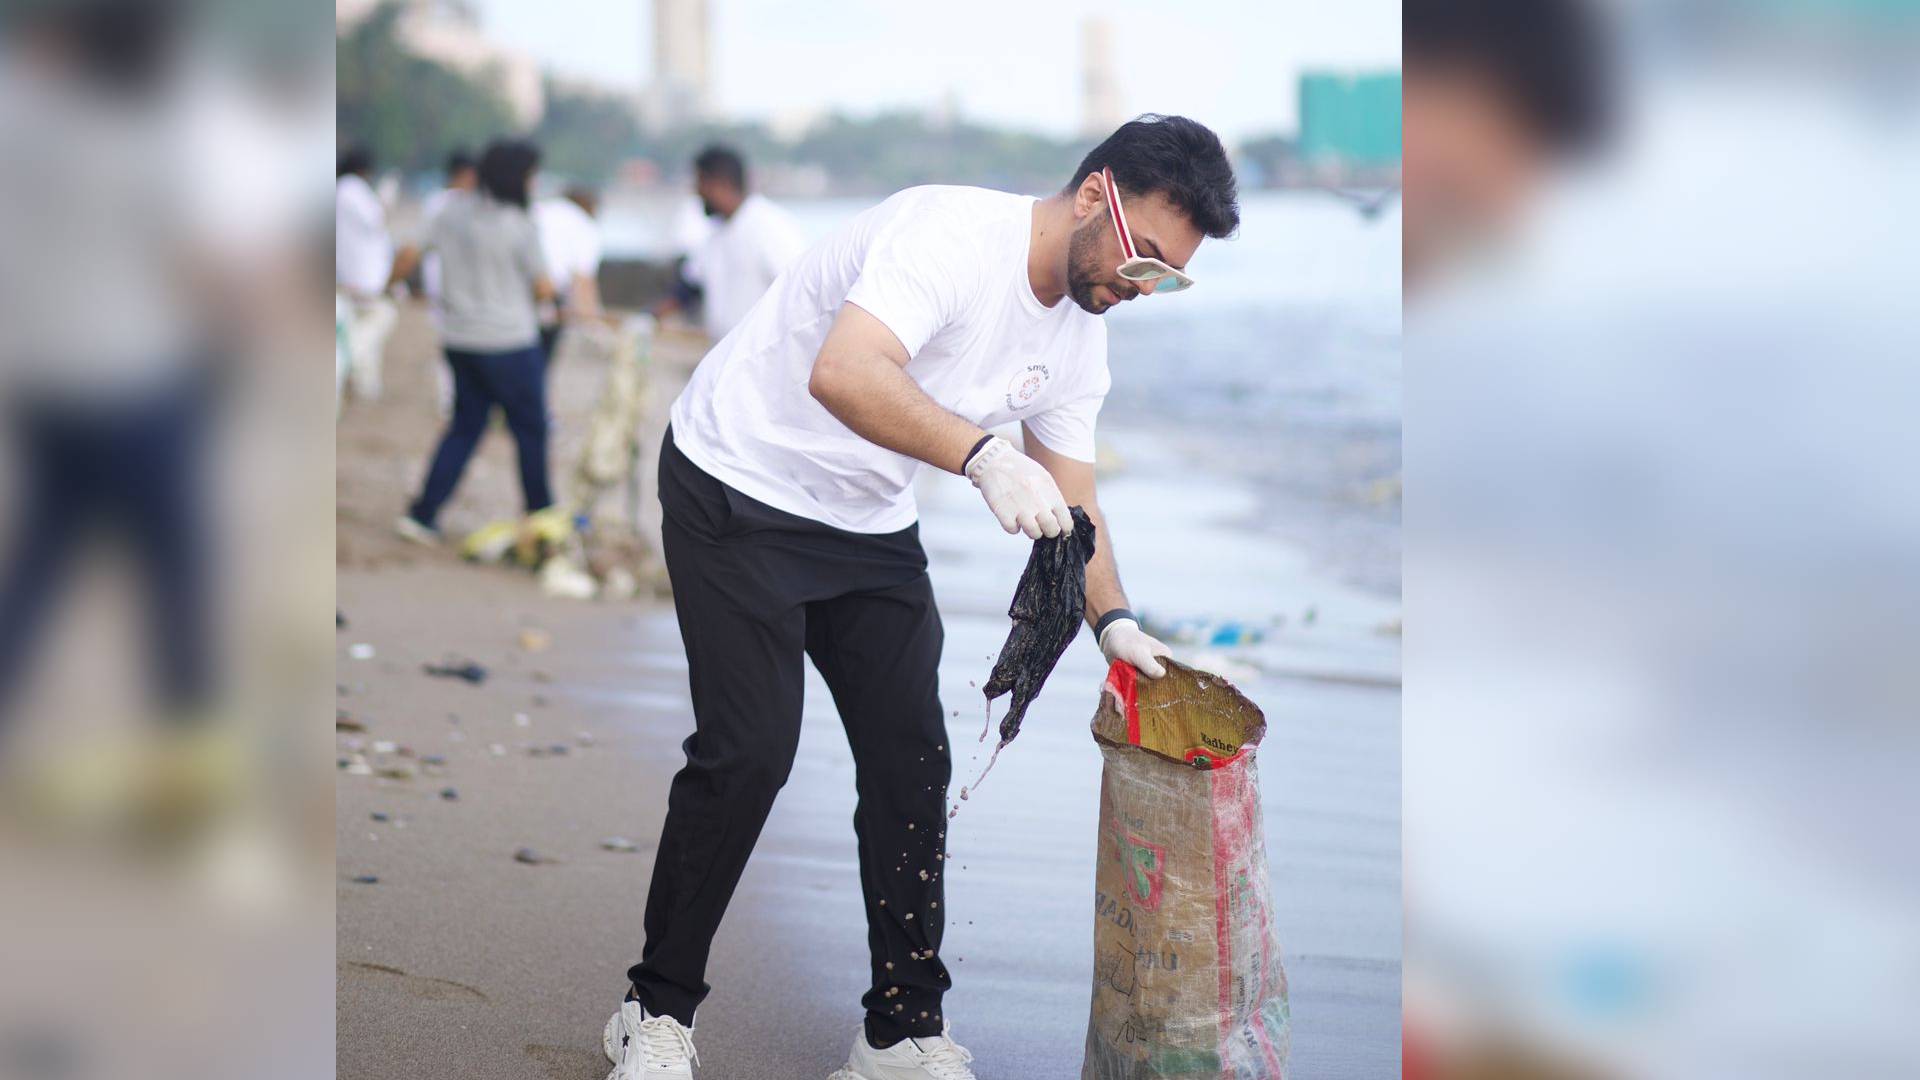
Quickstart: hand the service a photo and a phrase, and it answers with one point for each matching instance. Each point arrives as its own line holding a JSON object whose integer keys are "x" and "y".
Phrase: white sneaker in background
{"x": 644, "y": 1047}
{"x": 935, "y": 1057}
{"x": 409, "y": 529}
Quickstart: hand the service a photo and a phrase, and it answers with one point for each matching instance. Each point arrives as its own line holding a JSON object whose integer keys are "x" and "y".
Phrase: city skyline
{"x": 1233, "y": 66}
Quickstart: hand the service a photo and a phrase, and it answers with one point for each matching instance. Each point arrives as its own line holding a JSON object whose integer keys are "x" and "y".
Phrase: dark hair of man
{"x": 505, "y": 167}
{"x": 1545, "y": 57}
{"x": 122, "y": 45}
{"x": 458, "y": 159}
{"x": 722, "y": 163}
{"x": 354, "y": 159}
{"x": 1174, "y": 157}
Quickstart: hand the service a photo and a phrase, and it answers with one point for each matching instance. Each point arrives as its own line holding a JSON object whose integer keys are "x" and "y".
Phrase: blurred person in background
{"x": 751, "y": 242}
{"x": 363, "y": 256}
{"x": 791, "y": 530}
{"x": 1496, "y": 95}
{"x": 106, "y": 369}
{"x": 493, "y": 275}
{"x": 1496, "y": 92}
{"x": 570, "y": 238}
{"x": 463, "y": 175}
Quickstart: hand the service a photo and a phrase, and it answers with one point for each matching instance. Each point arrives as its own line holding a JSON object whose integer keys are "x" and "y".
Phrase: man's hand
{"x": 1019, "y": 490}
{"x": 1124, "y": 640}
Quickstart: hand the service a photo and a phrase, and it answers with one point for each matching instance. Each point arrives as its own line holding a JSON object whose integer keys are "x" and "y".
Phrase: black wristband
{"x": 1111, "y": 617}
{"x": 977, "y": 447}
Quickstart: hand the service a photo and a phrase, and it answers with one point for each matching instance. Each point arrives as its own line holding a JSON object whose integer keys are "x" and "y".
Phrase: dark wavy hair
{"x": 505, "y": 167}
{"x": 1177, "y": 158}
{"x": 1547, "y": 58}
{"x": 353, "y": 159}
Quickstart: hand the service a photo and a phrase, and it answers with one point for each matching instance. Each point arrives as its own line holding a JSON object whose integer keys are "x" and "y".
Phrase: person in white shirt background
{"x": 362, "y": 259}
{"x": 570, "y": 238}
{"x": 751, "y": 242}
{"x": 790, "y": 530}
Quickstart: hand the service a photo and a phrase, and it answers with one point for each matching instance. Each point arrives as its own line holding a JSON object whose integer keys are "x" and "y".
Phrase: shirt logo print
{"x": 1025, "y": 386}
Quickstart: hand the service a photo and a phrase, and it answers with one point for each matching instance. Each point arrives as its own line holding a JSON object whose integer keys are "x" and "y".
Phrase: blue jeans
{"x": 512, "y": 380}
{"x": 131, "y": 470}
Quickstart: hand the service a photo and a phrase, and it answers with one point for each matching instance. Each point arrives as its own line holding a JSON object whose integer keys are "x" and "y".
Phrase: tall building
{"x": 682, "y": 90}
{"x": 1100, "y": 110}
{"x": 1349, "y": 120}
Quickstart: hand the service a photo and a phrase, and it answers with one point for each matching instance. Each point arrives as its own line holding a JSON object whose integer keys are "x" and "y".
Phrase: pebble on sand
{"x": 367, "y": 879}
{"x": 534, "y": 639}
{"x": 619, "y": 843}
{"x": 360, "y": 651}
{"x": 449, "y": 794}
{"x": 530, "y": 857}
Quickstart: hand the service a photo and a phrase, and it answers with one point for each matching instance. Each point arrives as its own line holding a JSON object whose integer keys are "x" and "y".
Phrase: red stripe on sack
{"x": 1235, "y": 816}
{"x": 1123, "y": 680}
{"x": 1222, "y": 919}
{"x": 1249, "y": 807}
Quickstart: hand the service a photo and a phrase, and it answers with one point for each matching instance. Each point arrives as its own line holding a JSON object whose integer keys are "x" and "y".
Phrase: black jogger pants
{"x": 755, "y": 588}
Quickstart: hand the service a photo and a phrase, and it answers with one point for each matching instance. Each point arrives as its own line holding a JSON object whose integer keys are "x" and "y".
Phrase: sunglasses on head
{"x": 1135, "y": 267}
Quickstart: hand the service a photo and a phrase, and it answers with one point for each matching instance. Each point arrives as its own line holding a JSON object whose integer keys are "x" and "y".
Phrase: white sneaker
{"x": 645, "y": 1047}
{"x": 935, "y": 1057}
{"x": 407, "y": 528}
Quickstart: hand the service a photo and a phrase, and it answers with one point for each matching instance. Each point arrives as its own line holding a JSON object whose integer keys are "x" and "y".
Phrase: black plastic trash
{"x": 1048, "y": 608}
{"x": 458, "y": 669}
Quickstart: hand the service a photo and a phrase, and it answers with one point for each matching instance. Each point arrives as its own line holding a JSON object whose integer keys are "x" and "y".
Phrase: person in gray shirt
{"x": 492, "y": 274}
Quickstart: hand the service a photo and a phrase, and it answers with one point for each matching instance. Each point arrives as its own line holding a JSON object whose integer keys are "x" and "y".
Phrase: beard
{"x": 1086, "y": 271}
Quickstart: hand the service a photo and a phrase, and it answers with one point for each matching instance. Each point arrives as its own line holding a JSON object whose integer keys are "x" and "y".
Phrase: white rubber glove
{"x": 1124, "y": 640}
{"x": 1019, "y": 490}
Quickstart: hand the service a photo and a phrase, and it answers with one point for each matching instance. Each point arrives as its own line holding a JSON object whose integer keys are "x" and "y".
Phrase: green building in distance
{"x": 1350, "y": 120}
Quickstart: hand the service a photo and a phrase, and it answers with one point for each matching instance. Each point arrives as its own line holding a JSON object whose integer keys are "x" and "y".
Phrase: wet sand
{"x": 462, "y": 962}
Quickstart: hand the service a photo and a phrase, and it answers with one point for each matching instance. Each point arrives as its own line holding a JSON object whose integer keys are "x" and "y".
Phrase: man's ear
{"x": 1089, "y": 197}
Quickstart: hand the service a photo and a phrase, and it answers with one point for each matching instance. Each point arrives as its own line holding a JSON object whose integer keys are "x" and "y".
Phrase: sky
{"x": 1231, "y": 64}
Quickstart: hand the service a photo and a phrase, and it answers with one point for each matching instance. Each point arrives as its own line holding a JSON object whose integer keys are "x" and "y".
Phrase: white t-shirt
{"x": 740, "y": 258}
{"x": 570, "y": 239}
{"x": 362, "y": 250}
{"x": 945, "y": 268}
